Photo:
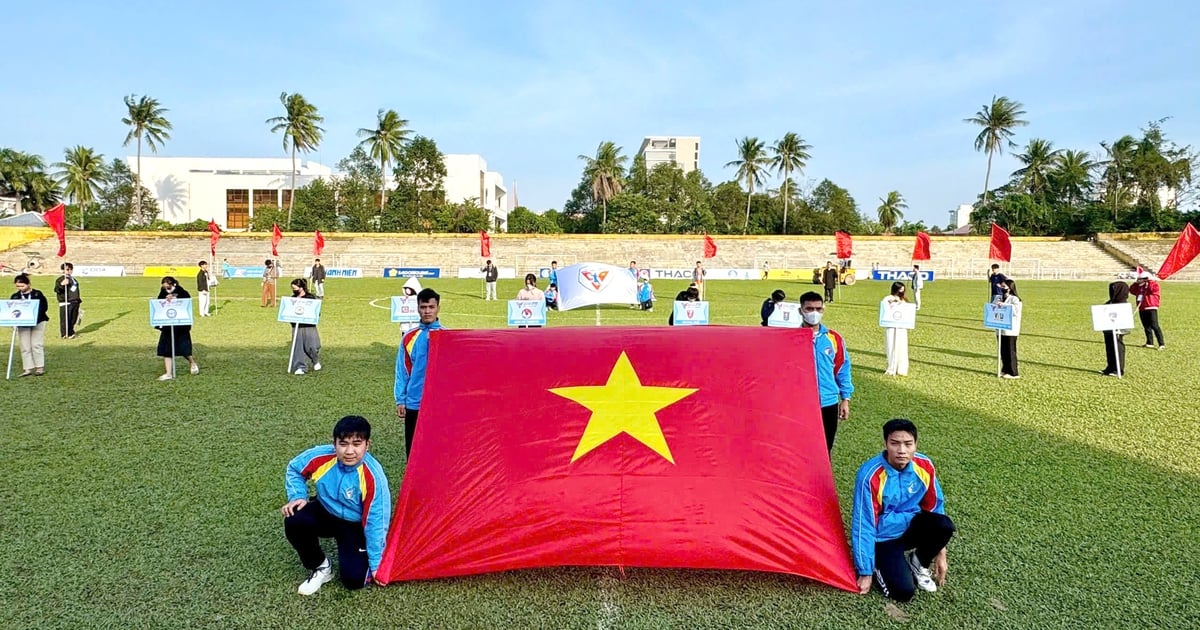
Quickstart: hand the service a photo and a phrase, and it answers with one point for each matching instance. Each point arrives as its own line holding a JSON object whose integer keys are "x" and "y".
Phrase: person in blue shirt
{"x": 552, "y": 296}
{"x": 554, "y": 273}
{"x": 351, "y": 504}
{"x": 411, "y": 360}
{"x": 899, "y": 526}
{"x": 645, "y": 294}
{"x": 834, "y": 384}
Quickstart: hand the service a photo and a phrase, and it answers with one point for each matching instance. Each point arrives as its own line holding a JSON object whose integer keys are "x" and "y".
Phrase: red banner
{"x": 215, "y": 235}
{"x": 485, "y": 244}
{"x": 276, "y": 236}
{"x": 1186, "y": 248}
{"x": 1001, "y": 246}
{"x": 710, "y": 247}
{"x": 56, "y": 218}
{"x": 921, "y": 247}
{"x": 318, "y": 243}
{"x": 845, "y": 245}
{"x": 631, "y": 452}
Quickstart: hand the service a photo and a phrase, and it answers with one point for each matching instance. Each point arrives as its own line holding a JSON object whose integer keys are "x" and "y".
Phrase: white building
{"x": 961, "y": 216}
{"x": 681, "y": 150}
{"x": 467, "y": 177}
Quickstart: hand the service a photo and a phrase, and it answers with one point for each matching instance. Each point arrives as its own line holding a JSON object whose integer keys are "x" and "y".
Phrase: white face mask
{"x": 812, "y": 318}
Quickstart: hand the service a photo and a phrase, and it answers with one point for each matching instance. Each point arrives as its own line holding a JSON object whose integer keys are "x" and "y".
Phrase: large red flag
{"x": 710, "y": 246}
{"x": 56, "y": 218}
{"x": 1001, "y": 246}
{"x": 631, "y": 452}
{"x": 1186, "y": 248}
{"x": 921, "y": 247}
{"x": 276, "y": 236}
{"x": 845, "y": 245}
{"x": 485, "y": 244}
{"x": 318, "y": 243}
{"x": 214, "y": 236}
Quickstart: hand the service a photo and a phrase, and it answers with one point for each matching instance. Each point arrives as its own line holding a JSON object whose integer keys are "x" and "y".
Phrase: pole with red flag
{"x": 214, "y": 236}
{"x": 1186, "y": 248}
{"x": 276, "y": 236}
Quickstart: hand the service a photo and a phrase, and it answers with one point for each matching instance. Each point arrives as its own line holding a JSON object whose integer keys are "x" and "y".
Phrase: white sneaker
{"x": 165, "y": 377}
{"x": 195, "y": 369}
{"x": 316, "y": 367}
{"x": 299, "y": 372}
{"x": 922, "y": 575}
{"x": 323, "y": 574}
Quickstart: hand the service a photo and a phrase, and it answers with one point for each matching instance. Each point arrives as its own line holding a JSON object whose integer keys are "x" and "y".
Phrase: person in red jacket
{"x": 1148, "y": 297}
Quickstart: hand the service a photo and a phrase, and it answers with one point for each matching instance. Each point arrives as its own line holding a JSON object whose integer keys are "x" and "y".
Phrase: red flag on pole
{"x": 1186, "y": 248}
{"x": 56, "y": 218}
{"x": 921, "y": 247}
{"x": 710, "y": 246}
{"x": 485, "y": 244}
{"x": 276, "y": 236}
{"x": 318, "y": 243}
{"x": 1001, "y": 247}
{"x": 630, "y": 459}
{"x": 845, "y": 245}
{"x": 215, "y": 235}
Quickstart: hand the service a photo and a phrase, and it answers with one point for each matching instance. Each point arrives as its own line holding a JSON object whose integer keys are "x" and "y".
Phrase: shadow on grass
{"x": 980, "y": 328}
{"x": 94, "y": 326}
{"x": 977, "y": 355}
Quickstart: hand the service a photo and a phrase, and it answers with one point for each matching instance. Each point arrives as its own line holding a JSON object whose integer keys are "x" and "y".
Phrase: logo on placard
{"x": 691, "y": 312}
{"x": 299, "y": 310}
{"x": 1112, "y": 316}
{"x": 896, "y": 315}
{"x": 527, "y": 313}
{"x": 16, "y": 314}
{"x": 593, "y": 279}
{"x": 787, "y": 316}
{"x": 171, "y": 313}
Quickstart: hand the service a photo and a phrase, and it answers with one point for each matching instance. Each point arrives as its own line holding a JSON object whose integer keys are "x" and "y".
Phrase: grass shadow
{"x": 94, "y": 326}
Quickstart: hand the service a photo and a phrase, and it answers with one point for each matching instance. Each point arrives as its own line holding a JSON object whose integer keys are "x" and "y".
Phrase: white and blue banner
{"x": 230, "y": 271}
{"x": 588, "y": 284}
{"x": 98, "y": 271}
{"x": 786, "y": 315}
{"x": 404, "y": 309}
{"x": 732, "y": 274}
{"x": 898, "y": 315}
{"x": 343, "y": 272}
{"x": 177, "y": 312}
{"x": 299, "y": 310}
{"x": 691, "y": 314}
{"x": 18, "y": 313}
{"x": 1112, "y": 317}
{"x": 412, "y": 272}
{"x": 527, "y": 312}
{"x": 997, "y": 316}
{"x": 658, "y": 273}
{"x": 903, "y": 275}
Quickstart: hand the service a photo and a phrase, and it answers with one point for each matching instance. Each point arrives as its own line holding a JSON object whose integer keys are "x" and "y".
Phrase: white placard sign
{"x": 691, "y": 313}
{"x": 18, "y": 313}
{"x": 177, "y": 312}
{"x": 1112, "y": 317}
{"x": 527, "y": 312}
{"x": 299, "y": 310}
{"x": 898, "y": 315}
{"x": 997, "y": 316}
{"x": 786, "y": 315}
{"x": 404, "y": 309}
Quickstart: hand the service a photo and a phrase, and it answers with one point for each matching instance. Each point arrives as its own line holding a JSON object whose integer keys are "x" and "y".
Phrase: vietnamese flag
{"x": 845, "y": 245}
{"x": 215, "y": 235}
{"x": 1001, "y": 246}
{"x": 1186, "y": 248}
{"x": 56, "y": 218}
{"x": 318, "y": 243}
{"x": 276, "y": 236}
{"x": 630, "y": 452}
{"x": 710, "y": 246}
{"x": 485, "y": 244}
{"x": 921, "y": 247}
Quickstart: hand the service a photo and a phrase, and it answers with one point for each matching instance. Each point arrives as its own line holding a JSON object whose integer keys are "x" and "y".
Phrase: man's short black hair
{"x": 995, "y": 266}
{"x": 352, "y": 426}
{"x": 553, "y": 262}
{"x": 202, "y": 263}
{"x": 778, "y": 295}
{"x": 428, "y": 294}
{"x": 916, "y": 266}
{"x": 899, "y": 424}
{"x": 66, "y": 266}
{"x": 812, "y": 296}
{"x": 22, "y": 278}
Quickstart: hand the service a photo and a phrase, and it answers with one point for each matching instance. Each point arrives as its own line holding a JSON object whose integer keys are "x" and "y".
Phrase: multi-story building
{"x": 467, "y": 177}
{"x": 681, "y": 150}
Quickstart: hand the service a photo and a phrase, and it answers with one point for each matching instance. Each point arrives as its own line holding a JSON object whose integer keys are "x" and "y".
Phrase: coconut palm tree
{"x": 384, "y": 143}
{"x": 1116, "y": 169}
{"x": 891, "y": 210}
{"x": 301, "y": 129}
{"x": 751, "y": 165}
{"x": 1072, "y": 176}
{"x": 790, "y": 153}
{"x": 606, "y": 172}
{"x": 997, "y": 121}
{"x": 146, "y": 122}
{"x": 23, "y": 175}
{"x": 1039, "y": 156}
{"x": 81, "y": 173}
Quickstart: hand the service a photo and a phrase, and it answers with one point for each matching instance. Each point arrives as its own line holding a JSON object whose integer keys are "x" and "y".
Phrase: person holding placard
{"x": 307, "y": 343}
{"x": 1149, "y": 298}
{"x": 690, "y": 294}
{"x": 170, "y": 291}
{"x": 1114, "y": 340}
{"x": 531, "y": 293}
{"x": 32, "y": 338}
{"x": 411, "y": 360}
{"x": 66, "y": 289}
{"x": 411, "y": 288}
{"x": 1008, "y": 338}
{"x": 832, "y": 359}
{"x": 769, "y": 304}
{"x": 896, "y": 339}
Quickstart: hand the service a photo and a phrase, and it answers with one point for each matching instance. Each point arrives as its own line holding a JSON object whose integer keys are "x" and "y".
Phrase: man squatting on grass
{"x": 352, "y": 505}
{"x": 899, "y": 523}
{"x": 411, "y": 360}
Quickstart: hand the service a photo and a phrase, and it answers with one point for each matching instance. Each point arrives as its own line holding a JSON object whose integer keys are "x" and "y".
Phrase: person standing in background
{"x": 896, "y": 339}
{"x": 918, "y": 283}
{"x": 698, "y": 274}
{"x": 490, "y": 275}
{"x": 202, "y": 282}
{"x": 829, "y": 278}
{"x": 318, "y": 278}
{"x": 32, "y": 338}
{"x": 66, "y": 289}
{"x": 270, "y": 275}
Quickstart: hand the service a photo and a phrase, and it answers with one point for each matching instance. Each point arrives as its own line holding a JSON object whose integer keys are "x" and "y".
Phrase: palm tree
{"x": 891, "y": 210}
{"x": 384, "y": 143}
{"x": 751, "y": 164}
{"x": 23, "y": 175}
{"x": 606, "y": 171}
{"x": 146, "y": 121}
{"x": 1120, "y": 156}
{"x": 790, "y": 153}
{"x": 82, "y": 172}
{"x": 997, "y": 121}
{"x": 1037, "y": 159}
{"x": 1072, "y": 175}
{"x": 301, "y": 129}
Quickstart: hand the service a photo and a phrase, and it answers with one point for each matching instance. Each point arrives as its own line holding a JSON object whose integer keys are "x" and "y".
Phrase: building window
{"x": 266, "y": 199}
{"x": 237, "y": 209}
{"x": 286, "y": 199}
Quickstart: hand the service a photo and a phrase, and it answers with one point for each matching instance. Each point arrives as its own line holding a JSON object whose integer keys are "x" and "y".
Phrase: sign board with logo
{"x": 997, "y": 316}
{"x": 691, "y": 314}
{"x": 902, "y": 275}
{"x": 171, "y": 312}
{"x": 342, "y": 272}
{"x": 230, "y": 271}
{"x": 527, "y": 312}
{"x": 299, "y": 310}
{"x": 412, "y": 272}
{"x": 786, "y": 315}
{"x": 18, "y": 313}
{"x": 404, "y": 309}
{"x": 898, "y": 315}
{"x": 96, "y": 271}
{"x": 588, "y": 284}
{"x": 1112, "y": 317}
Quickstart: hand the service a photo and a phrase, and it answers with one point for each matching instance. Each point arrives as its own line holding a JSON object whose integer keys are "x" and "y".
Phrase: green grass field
{"x": 128, "y": 502}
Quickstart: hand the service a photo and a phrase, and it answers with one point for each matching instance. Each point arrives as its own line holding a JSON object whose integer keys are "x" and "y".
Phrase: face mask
{"x": 528, "y": 286}
{"x": 812, "y": 318}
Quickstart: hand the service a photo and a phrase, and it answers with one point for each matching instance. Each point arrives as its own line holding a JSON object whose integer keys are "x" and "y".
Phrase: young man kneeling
{"x": 899, "y": 525}
{"x": 352, "y": 505}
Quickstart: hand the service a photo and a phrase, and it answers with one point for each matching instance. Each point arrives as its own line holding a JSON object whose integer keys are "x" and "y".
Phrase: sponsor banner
{"x": 903, "y": 275}
{"x": 412, "y": 272}
{"x": 176, "y": 312}
{"x": 661, "y": 273}
{"x": 404, "y": 309}
{"x": 785, "y": 315}
{"x": 299, "y": 310}
{"x": 733, "y": 274}
{"x": 527, "y": 312}
{"x": 342, "y": 272}
{"x": 1112, "y": 317}
{"x": 586, "y": 284}
{"x": 804, "y": 275}
{"x": 477, "y": 272}
{"x": 691, "y": 314}
{"x": 178, "y": 271}
{"x": 97, "y": 271}
{"x": 898, "y": 315}
{"x": 18, "y": 313}
{"x": 997, "y": 316}
{"x": 229, "y": 271}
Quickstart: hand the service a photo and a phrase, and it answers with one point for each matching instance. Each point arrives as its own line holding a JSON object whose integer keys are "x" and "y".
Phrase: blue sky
{"x": 879, "y": 89}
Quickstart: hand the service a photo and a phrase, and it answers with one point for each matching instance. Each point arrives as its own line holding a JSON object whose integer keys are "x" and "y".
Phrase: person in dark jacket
{"x": 170, "y": 290}
{"x": 32, "y": 338}
{"x": 1114, "y": 340}
{"x": 690, "y": 294}
{"x": 308, "y": 341}
{"x": 202, "y": 282}
{"x": 768, "y": 306}
{"x": 318, "y": 278}
{"x": 829, "y": 278}
{"x": 66, "y": 289}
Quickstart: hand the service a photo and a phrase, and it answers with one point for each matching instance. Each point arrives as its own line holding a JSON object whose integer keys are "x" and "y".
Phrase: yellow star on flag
{"x": 623, "y": 405}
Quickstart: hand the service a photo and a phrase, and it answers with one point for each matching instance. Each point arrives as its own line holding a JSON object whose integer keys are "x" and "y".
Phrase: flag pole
{"x": 1117, "y": 355}
{"x": 999, "y": 369}
{"x": 172, "y": 327}
{"x": 8, "y": 374}
{"x": 292, "y": 352}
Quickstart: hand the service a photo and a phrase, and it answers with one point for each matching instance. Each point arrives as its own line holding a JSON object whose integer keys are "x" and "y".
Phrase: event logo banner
{"x": 404, "y": 309}
{"x": 176, "y": 271}
{"x": 587, "y": 284}
{"x": 785, "y": 315}
{"x": 18, "y": 313}
{"x": 176, "y": 312}
{"x": 343, "y": 272}
{"x": 299, "y": 310}
{"x": 902, "y": 275}
{"x": 691, "y": 313}
{"x": 718, "y": 273}
{"x": 997, "y": 316}
{"x": 99, "y": 271}
{"x": 412, "y": 272}
{"x": 230, "y": 271}
{"x": 526, "y": 312}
